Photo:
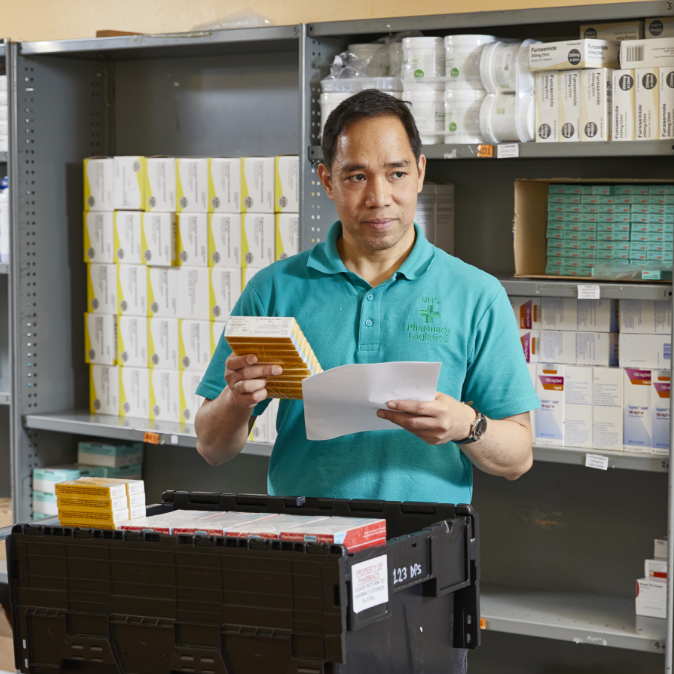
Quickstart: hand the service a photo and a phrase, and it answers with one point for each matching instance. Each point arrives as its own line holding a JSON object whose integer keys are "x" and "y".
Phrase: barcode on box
{"x": 635, "y": 53}
{"x": 667, "y": 351}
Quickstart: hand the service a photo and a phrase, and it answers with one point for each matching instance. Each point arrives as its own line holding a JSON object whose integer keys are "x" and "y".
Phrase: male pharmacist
{"x": 376, "y": 290}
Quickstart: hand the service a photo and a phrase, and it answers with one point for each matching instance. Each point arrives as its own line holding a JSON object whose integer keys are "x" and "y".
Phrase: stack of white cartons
{"x": 651, "y": 600}
{"x": 435, "y": 215}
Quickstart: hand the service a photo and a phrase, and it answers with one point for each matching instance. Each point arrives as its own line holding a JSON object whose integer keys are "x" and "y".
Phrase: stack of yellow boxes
{"x": 99, "y": 502}
{"x": 277, "y": 341}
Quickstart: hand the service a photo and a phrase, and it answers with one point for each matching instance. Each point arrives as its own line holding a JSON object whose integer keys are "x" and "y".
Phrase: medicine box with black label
{"x": 645, "y": 351}
{"x": 637, "y": 410}
{"x": 192, "y": 239}
{"x": 162, "y": 291}
{"x": 160, "y": 184}
{"x": 132, "y": 341}
{"x": 100, "y": 339}
{"x": 224, "y": 240}
{"x": 99, "y": 181}
{"x": 194, "y": 348}
{"x": 578, "y": 424}
{"x": 134, "y": 392}
{"x": 619, "y": 31}
{"x": 649, "y": 317}
{"x": 666, "y": 117}
{"x": 647, "y": 103}
{"x": 193, "y": 293}
{"x": 596, "y": 105}
{"x": 660, "y": 414}
{"x": 99, "y": 236}
{"x": 104, "y": 389}
{"x": 132, "y": 289}
{"x": 158, "y": 239}
{"x": 287, "y": 184}
{"x": 257, "y": 184}
{"x": 574, "y": 54}
{"x": 547, "y": 107}
{"x": 623, "y": 101}
{"x": 129, "y": 183}
{"x": 570, "y": 109}
{"x": 287, "y": 235}
{"x": 657, "y": 53}
{"x": 607, "y": 408}
{"x": 575, "y": 315}
{"x": 224, "y": 292}
{"x": 192, "y": 185}
{"x": 224, "y": 185}
{"x": 127, "y": 226}
{"x": 659, "y": 27}
{"x": 163, "y": 343}
{"x": 550, "y": 415}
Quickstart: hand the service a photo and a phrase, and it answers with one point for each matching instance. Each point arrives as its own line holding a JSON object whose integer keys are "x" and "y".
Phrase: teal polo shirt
{"x": 434, "y": 308}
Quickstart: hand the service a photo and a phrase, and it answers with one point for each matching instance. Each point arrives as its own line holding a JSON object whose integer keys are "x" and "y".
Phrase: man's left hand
{"x": 436, "y": 423}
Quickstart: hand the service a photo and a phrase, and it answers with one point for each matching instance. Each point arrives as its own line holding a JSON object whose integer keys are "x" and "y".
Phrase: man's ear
{"x": 421, "y": 166}
{"x": 326, "y": 179}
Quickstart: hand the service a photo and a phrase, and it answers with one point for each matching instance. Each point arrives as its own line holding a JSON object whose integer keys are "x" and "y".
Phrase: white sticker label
{"x": 174, "y": 439}
{"x": 596, "y": 461}
{"x": 588, "y": 292}
{"x": 508, "y": 151}
{"x": 369, "y": 583}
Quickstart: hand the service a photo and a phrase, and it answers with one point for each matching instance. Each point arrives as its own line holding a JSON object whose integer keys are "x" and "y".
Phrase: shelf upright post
{"x": 670, "y": 536}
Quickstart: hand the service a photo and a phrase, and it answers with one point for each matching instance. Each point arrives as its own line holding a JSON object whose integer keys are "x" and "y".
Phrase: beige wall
{"x": 63, "y": 19}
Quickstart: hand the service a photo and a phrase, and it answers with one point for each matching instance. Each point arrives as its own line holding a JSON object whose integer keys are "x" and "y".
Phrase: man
{"x": 376, "y": 290}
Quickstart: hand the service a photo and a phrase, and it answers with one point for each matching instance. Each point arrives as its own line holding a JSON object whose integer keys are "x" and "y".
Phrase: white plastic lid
{"x": 422, "y": 42}
{"x": 468, "y": 40}
{"x": 465, "y": 94}
{"x": 425, "y": 84}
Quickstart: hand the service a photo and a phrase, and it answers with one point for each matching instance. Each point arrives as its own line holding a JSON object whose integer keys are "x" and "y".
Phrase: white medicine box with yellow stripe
{"x": 287, "y": 184}
{"x": 287, "y": 231}
{"x": 158, "y": 239}
{"x": 127, "y": 237}
{"x": 192, "y": 239}
{"x": 165, "y": 395}
{"x": 100, "y": 339}
{"x": 98, "y": 236}
{"x": 132, "y": 341}
{"x": 104, "y": 389}
{"x": 224, "y": 240}
{"x": 99, "y": 181}
{"x": 160, "y": 185}
{"x": 257, "y": 184}
{"x": 224, "y": 185}
{"x": 195, "y": 345}
{"x": 225, "y": 290}
{"x": 102, "y": 288}
{"x": 131, "y": 290}
{"x": 129, "y": 183}
{"x": 192, "y": 185}
{"x": 217, "y": 330}
{"x": 163, "y": 343}
{"x": 193, "y": 293}
{"x": 257, "y": 240}
{"x": 134, "y": 392}
{"x": 162, "y": 291}
{"x": 190, "y": 402}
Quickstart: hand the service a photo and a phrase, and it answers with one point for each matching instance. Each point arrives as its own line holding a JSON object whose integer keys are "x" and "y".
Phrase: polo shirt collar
{"x": 325, "y": 257}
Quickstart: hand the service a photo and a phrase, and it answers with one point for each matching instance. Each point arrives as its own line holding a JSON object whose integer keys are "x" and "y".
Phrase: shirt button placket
{"x": 369, "y": 332}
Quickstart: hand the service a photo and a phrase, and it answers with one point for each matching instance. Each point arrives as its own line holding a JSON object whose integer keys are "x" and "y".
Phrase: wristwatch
{"x": 477, "y": 430}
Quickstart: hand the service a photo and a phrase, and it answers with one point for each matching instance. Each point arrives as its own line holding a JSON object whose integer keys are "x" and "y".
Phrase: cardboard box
{"x": 195, "y": 345}
{"x": 110, "y": 454}
{"x": 190, "y": 402}
{"x": 547, "y": 107}
{"x": 660, "y": 414}
{"x": 287, "y": 235}
{"x": 225, "y": 290}
{"x": 102, "y": 288}
{"x": 163, "y": 343}
{"x": 550, "y": 416}
{"x": 193, "y": 293}
{"x": 100, "y": 339}
{"x": 158, "y": 239}
{"x": 192, "y": 239}
{"x": 570, "y": 106}
{"x": 659, "y": 27}
{"x": 132, "y": 293}
{"x": 622, "y": 30}
{"x": 647, "y": 102}
{"x": 607, "y": 408}
{"x": 99, "y": 236}
{"x": 132, "y": 341}
{"x": 596, "y": 105}
{"x": 192, "y": 185}
{"x": 257, "y": 184}
{"x": 287, "y": 184}
{"x": 224, "y": 240}
{"x": 585, "y": 315}
{"x": 573, "y": 54}
{"x": 162, "y": 292}
{"x": 104, "y": 389}
{"x": 647, "y": 53}
{"x": 652, "y": 608}
{"x": 134, "y": 393}
{"x": 530, "y": 340}
{"x": 666, "y": 116}
{"x": 579, "y": 348}
{"x": 655, "y": 568}
{"x": 623, "y": 105}
{"x": 129, "y": 183}
{"x": 257, "y": 240}
{"x": 165, "y": 395}
{"x": 578, "y": 405}
{"x": 650, "y": 317}
{"x": 160, "y": 184}
{"x": 217, "y": 330}
{"x": 645, "y": 351}
{"x": 127, "y": 244}
{"x": 637, "y": 410}
{"x": 99, "y": 181}
{"x": 660, "y": 548}
{"x": 224, "y": 185}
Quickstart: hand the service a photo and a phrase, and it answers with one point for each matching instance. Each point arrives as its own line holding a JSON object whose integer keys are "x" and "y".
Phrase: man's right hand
{"x": 246, "y": 381}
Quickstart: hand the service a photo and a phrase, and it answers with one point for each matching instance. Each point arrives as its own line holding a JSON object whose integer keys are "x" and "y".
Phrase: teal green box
{"x": 659, "y": 255}
{"x": 660, "y": 236}
{"x": 555, "y": 218}
{"x": 667, "y": 200}
{"x": 554, "y": 234}
{"x": 597, "y": 199}
{"x": 45, "y": 497}
{"x": 603, "y": 189}
{"x": 556, "y": 188}
{"x": 556, "y": 224}
{"x": 576, "y": 271}
{"x": 661, "y": 190}
{"x": 638, "y": 199}
{"x": 556, "y": 261}
{"x": 569, "y": 244}
{"x": 613, "y": 236}
{"x": 556, "y": 208}
{"x": 638, "y": 236}
{"x": 571, "y": 226}
{"x": 646, "y": 209}
{"x": 589, "y": 208}
{"x": 555, "y": 244}
{"x": 665, "y": 219}
{"x": 656, "y": 275}
{"x": 660, "y": 245}
{"x": 639, "y": 263}
{"x": 613, "y": 217}
{"x": 588, "y": 245}
{"x": 124, "y": 473}
{"x": 557, "y": 271}
{"x": 613, "y": 227}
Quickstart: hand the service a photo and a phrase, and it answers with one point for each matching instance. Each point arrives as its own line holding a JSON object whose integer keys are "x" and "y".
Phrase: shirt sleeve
{"x": 213, "y": 382}
{"x": 498, "y": 380}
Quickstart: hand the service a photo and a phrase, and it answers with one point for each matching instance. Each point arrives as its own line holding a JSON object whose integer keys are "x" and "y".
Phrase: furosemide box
{"x": 660, "y": 414}
{"x": 619, "y": 31}
{"x": 623, "y": 108}
{"x": 647, "y": 102}
{"x": 596, "y": 105}
{"x": 659, "y": 27}
{"x": 574, "y": 54}
{"x": 547, "y": 107}
{"x": 570, "y": 106}
{"x": 99, "y": 236}
{"x": 666, "y": 116}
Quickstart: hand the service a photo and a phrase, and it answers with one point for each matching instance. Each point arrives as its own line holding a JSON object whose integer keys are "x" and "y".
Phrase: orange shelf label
{"x": 485, "y": 151}
{"x": 151, "y": 438}
{"x": 483, "y": 624}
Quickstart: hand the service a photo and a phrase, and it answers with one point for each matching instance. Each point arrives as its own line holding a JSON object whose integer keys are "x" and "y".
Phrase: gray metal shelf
{"x": 578, "y": 618}
{"x": 81, "y": 422}
{"x": 4, "y": 268}
{"x": 3, "y": 157}
{"x": 574, "y": 456}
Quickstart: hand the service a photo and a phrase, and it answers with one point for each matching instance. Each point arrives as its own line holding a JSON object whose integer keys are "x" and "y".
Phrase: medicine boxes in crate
{"x": 145, "y": 602}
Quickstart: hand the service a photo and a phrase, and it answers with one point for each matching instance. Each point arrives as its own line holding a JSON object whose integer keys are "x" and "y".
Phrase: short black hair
{"x": 365, "y": 104}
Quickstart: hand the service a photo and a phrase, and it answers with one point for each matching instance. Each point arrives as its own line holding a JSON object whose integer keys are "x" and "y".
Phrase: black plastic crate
{"x": 119, "y": 602}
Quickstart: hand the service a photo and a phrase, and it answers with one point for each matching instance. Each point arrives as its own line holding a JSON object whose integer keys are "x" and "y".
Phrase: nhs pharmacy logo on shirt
{"x": 428, "y": 328}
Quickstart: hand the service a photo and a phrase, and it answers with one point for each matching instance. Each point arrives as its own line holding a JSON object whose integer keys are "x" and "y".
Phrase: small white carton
{"x": 655, "y": 568}
{"x": 530, "y": 340}
{"x": 547, "y": 107}
{"x": 578, "y": 420}
{"x": 132, "y": 289}
{"x": 162, "y": 291}
{"x": 260, "y": 431}
{"x": 160, "y": 184}
{"x": 104, "y": 389}
{"x": 217, "y": 330}
{"x": 637, "y": 410}
{"x": 660, "y": 548}
{"x": 649, "y": 317}
{"x": 163, "y": 343}
{"x": 190, "y": 402}
{"x": 287, "y": 235}
{"x": 666, "y": 116}
{"x": 585, "y": 315}
{"x": 570, "y": 106}
{"x": 193, "y": 293}
{"x": 651, "y": 608}
{"x": 224, "y": 240}
{"x": 527, "y": 312}
{"x": 100, "y": 339}
{"x": 660, "y": 417}
{"x": 192, "y": 185}
{"x": 99, "y": 180}
{"x": 596, "y": 105}
{"x": 623, "y": 112}
{"x": 257, "y": 184}
{"x": 550, "y": 416}
{"x": 652, "y": 588}
{"x": 129, "y": 185}
{"x": 647, "y": 102}
{"x": 647, "y": 53}
{"x": 195, "y": 345}
{"x": 574, "y": 54}
{"x": 622, "y": 30}
{"x": 165, "y": 395}
{"x": 158, "y": 239}
{"x": 192, "y": 239}
{"x": 127, "y": 237}
{"x": 653, "y": 352}
{"x": 257, "y": 240}
{"x": 102, "y": 288}
{"x": 579, "y": 348}
{"x": 287, "y": 184}
{"x": 99, "y": 236}
{"x": 225, "y": 290}
{"x": 132, "y": 341}
{"x": 607, "y": 408}
{"x": 224, "y": 185}
{"x": 134, "y": 392}
{"x": 659, "y": 27}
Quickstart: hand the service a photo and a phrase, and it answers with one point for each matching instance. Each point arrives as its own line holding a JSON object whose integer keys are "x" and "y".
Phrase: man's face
{"x": 374, "y": 182}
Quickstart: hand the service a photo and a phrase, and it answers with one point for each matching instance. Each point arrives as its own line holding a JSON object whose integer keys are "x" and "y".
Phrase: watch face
{"x": 480, "y": 427}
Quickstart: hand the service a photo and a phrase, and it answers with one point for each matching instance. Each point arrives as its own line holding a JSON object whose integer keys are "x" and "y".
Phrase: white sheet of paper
{"x": 344, "y": 400}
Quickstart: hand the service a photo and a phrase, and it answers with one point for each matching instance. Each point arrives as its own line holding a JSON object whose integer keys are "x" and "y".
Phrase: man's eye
{"x": 399, "y": 174}
{"x": 357, "y": 178}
